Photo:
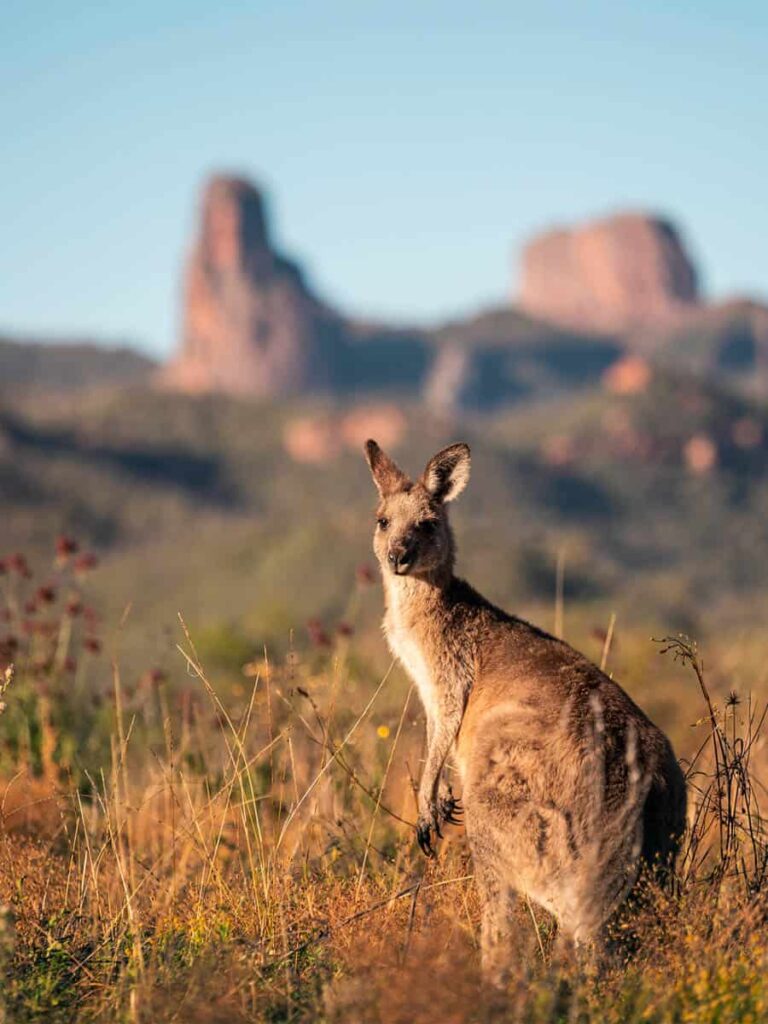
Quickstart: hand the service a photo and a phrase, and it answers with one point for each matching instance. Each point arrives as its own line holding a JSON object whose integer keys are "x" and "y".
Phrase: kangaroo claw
{"x": 424, "y": 837}
{"x": 450, "y": 809}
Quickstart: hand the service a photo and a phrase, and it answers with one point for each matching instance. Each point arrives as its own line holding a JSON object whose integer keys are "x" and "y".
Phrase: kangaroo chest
{"x": 409, "y": 648}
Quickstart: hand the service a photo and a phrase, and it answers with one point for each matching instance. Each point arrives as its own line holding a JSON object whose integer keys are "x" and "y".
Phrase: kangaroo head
{"x": 412, "y": 536}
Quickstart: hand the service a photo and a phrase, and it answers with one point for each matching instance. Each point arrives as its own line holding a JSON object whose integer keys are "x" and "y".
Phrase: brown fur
{"x": 569, "y": 789}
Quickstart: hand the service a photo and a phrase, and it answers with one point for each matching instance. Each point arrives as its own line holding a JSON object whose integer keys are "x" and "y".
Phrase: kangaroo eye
{"x": 428, "y": 526}
{"x": 383, "y": 522}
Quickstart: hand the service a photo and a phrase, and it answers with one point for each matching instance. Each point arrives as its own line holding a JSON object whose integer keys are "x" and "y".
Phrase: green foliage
{"x": 199, "y": 509}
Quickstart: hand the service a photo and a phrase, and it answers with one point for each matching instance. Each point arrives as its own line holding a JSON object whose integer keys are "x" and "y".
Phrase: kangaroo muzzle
{"x": 401, "y": 557}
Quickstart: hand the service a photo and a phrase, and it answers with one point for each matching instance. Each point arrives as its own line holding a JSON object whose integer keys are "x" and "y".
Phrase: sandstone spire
{"x": 250, "y": 324}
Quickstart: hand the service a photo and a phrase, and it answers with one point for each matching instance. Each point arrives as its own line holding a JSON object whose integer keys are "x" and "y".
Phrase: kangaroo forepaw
{"x": 449, "y": 809}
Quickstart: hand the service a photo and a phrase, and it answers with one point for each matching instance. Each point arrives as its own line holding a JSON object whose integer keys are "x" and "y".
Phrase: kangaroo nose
{"x": 400, "y": 556}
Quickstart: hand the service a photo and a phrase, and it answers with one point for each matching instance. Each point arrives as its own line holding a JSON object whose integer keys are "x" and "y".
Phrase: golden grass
{"x": 252, "y": 859}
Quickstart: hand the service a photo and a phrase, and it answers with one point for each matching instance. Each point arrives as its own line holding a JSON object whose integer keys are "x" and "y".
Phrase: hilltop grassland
{"x": 656, "y": 501}
{"x": 236, "y": 843}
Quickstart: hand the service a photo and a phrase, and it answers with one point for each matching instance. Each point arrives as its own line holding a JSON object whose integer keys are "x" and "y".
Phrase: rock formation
{"x": 630, "y": 375}
{"x": 324, "y": 436}
{"x": 250, "y": 324}
{"x": 612, "y": 275}
{"x": 618, "y": 289}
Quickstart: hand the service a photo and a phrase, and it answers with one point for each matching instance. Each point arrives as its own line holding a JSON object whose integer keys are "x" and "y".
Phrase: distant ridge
{"x": 591, "y": 296}
{"x": 46, "y": 365}
{"x": 588, "y": 295}
{"x": 252, "y": 326}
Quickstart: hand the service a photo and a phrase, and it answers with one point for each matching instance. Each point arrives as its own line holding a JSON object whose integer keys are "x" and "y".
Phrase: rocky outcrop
{"x": 319, "y": 438}
{"x": 250, "y": 323}
{"x": 606, "y": 301}
{"x": 252, "y": 326}
{"x": 613, "y": 275}
{"x": 630, "y": 375}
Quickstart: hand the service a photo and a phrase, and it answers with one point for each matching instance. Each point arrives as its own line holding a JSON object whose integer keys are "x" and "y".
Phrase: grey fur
{"x": 568, "y": 788}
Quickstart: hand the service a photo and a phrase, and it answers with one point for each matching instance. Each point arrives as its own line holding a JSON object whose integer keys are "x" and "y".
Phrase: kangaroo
{"x": 568, "y": 789}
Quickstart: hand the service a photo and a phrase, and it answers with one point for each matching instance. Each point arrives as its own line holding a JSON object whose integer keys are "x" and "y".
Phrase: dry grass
{"x": 251, "y": 858}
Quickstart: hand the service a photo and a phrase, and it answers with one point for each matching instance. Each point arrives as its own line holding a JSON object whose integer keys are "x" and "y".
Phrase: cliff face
{"x": 250, "y": 324}
{"x": 612, "y": 275}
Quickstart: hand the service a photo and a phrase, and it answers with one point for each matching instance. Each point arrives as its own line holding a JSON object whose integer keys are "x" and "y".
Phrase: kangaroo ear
{"x": 386, "y": 474}
{"x": 447, "y": 473}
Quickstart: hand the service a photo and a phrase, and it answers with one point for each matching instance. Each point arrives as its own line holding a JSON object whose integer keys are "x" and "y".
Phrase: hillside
{"x": 631, "y": 443}
{"x": 727, "y": 341}
{"x": 41, "y": 365}
{"x": 657, "y": 499}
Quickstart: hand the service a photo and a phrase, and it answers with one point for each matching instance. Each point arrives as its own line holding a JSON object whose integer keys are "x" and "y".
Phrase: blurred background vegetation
{"x": 201, "y": 506}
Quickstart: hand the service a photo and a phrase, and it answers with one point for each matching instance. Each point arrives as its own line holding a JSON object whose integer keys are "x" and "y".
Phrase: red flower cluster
{"x": 320, "y": 637}
{"x": 365, "y": 575}
{"x": 85, "y": 562}
{"x": 8, "y": 648}
{"x": 66, "y": 546}
{"x": 46, "y": 594}
{"x": 17, "y": 563}
{"x": 153, "y": 677}
{"x": 32, "y": 640}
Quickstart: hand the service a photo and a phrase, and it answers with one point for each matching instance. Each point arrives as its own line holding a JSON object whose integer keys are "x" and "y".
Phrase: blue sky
{"x": 409, "y": 148}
